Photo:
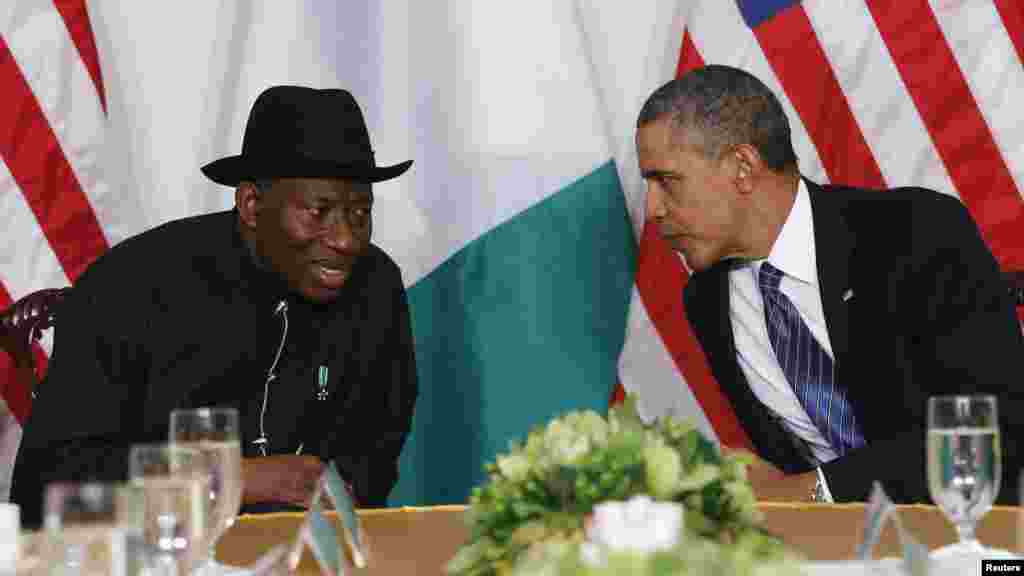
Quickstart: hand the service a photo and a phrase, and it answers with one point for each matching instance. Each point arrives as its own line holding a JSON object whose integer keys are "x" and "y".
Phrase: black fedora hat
{"x": 299, "y": 132}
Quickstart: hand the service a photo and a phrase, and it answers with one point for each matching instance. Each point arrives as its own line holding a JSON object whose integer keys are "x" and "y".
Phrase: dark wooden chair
{"x": 22, "y": 323}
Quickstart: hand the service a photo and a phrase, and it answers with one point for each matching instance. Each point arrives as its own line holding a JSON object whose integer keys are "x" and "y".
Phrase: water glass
{"x": 174, "y": 482}
{"x": 78, "y": 522}
{"x": 130, "y": 516}
{"x": 964, "y": 460}
{"x": 214, "y": 431}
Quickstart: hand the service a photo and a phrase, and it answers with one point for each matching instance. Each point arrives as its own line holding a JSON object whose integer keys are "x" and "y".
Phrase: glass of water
{"x": 174, "y": 483}
{"x": 964, "y": 460}
{"x": 77, "y": 522}
{"x": 214, "y": 431}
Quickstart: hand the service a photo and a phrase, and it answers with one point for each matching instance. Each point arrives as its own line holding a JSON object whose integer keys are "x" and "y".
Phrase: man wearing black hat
{"x": 280, "y": 307}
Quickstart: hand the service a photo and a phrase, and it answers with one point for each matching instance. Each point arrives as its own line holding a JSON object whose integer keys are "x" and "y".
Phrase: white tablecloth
{"x": 947, "y": 561}
{"x": 941, "y": 565}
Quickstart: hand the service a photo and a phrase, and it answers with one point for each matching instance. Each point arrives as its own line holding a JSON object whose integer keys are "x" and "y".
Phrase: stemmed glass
{"x": 175, "y": 486}
{"x": 964, "y": 460}
{"x": 214, "y": 431}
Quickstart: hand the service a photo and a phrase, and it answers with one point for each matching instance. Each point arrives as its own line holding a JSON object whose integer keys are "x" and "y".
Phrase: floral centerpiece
{"x": 531, "y": 515}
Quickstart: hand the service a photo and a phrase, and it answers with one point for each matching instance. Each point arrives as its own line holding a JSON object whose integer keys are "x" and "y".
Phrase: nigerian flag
{"x": 512, "y": 229}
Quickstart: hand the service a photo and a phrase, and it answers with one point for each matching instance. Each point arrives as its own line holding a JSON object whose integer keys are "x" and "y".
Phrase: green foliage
{"x": 532, "y": 509}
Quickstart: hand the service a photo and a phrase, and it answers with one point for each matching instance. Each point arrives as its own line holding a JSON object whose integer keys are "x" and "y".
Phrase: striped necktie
{"x": 808, "y": 368}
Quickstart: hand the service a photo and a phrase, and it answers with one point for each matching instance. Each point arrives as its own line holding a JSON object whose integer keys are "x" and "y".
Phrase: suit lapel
{"x": 708, "y": 310}
{"x": 834, "y": 248}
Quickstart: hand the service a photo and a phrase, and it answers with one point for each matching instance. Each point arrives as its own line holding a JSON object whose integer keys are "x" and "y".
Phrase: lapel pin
{"x": 321, "y": 393}
{"x": 847, "y": 295}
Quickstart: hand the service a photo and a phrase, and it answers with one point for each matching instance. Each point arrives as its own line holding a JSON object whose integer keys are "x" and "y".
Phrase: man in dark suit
{"x": 828, "y": 314}
{"x": 281, "y": 308}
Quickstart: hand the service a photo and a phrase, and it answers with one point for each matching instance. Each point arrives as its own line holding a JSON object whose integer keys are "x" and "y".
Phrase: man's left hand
{"x": 288, "y": 479}
{"x": 771, "y": 484}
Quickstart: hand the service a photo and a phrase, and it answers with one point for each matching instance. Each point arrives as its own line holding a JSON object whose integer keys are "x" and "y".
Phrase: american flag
{"x": 879, "y": 93}
{"x": 52, "y": 198}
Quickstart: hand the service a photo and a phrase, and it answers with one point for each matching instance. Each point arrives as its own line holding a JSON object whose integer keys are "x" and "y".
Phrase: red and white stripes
{"x": 51, "y": 127}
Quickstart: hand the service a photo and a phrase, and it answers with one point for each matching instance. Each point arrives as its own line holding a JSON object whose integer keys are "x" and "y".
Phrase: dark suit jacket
{"x": 929, "y": 314}
{"x": 180, "y": 317}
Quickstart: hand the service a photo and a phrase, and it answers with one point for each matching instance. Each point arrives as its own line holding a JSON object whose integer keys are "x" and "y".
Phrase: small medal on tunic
{"x": 321, "y": 384}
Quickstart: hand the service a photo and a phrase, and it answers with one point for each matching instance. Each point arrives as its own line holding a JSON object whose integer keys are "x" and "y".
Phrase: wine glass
{"x": 964, "y": 460}
{"x": 175, "y": 486}
{"x": 214, "y": 431}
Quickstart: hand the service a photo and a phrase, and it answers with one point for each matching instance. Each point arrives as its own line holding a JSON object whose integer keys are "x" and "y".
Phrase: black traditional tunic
{"x": 179, "y": 316}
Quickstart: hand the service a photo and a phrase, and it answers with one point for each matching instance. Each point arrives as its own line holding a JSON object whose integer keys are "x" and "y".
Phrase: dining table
{"x": 421, "y": 540}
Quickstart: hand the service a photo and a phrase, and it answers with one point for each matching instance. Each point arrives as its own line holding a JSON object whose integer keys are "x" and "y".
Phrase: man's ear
{"x": 249, "y": 201}
{"x": 747, "y": 165}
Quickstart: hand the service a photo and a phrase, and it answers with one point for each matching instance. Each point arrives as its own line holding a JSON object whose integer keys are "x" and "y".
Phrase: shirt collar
{"x": 793, "y": 251}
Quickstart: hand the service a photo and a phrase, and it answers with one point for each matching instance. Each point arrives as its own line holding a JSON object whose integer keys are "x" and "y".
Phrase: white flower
{"x": 556, "y": 428}
{"x": 639, "y": 525}
{"x": 591, "y": 425}
{"x": 563, "y": 445}
{"x": 515, "y": 467}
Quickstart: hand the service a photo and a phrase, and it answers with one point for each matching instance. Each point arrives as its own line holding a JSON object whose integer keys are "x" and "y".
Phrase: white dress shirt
{"x": 793, "y": 254}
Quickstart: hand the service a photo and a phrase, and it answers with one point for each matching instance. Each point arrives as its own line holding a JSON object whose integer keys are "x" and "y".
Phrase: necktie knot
{"x": 769, "y": 277}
